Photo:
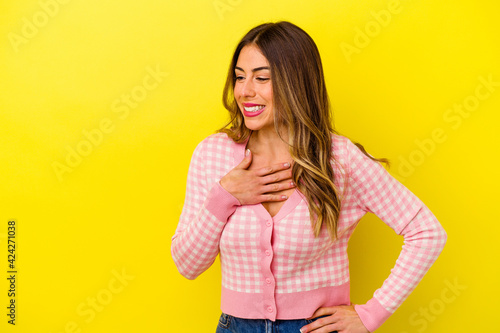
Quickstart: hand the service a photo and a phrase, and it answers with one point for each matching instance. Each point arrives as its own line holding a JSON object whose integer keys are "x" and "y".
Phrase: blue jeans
{"x": 230, "y": 324}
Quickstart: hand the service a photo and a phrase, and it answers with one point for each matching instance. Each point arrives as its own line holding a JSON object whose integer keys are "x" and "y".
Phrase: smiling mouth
{"x": 253, "y": 108}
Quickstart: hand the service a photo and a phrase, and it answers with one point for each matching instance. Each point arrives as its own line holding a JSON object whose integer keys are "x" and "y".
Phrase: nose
{"x": 248, "y": 89}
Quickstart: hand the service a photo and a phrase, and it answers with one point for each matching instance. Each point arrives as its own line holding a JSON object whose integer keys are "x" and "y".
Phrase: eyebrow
{"x": 253, "y": 70}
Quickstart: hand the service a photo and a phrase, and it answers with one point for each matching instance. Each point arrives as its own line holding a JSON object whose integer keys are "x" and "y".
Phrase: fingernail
{"x": 284, "y": 197}
{"x": 247, "y": 152}
{"x": 287, "y": 165}
{"x": 292, "y": 184}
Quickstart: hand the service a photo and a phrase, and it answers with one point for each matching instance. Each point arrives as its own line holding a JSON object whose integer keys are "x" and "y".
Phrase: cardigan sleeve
{"x": 207, "y": 207}
{"x": 424, "y": 238}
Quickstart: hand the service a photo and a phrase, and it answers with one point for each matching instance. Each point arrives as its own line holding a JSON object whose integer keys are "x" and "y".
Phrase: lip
{"x": 253, "y": 114}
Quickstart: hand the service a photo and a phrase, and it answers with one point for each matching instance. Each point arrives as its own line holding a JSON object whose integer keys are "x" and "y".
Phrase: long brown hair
{"x": 301, "y": 104}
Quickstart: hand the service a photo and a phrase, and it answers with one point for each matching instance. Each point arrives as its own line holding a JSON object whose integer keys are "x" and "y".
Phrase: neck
{"x": 269, "y": 142}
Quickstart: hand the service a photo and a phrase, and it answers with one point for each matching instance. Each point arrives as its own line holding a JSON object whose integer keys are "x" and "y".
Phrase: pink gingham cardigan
{"x": 274, "y": 267}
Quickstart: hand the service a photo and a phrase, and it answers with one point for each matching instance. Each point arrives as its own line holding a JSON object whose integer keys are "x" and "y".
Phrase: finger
{"x": 272, "y": 169}
{"x": 247, "y": 160}
{"x": 325, "y": 324}
{"x": 277, "y": 177}
{"x": 324, "y": 312}
{"x": 276, "y": 187}
{"x": 272, "y": 197}
{"x": 326, "y": 329}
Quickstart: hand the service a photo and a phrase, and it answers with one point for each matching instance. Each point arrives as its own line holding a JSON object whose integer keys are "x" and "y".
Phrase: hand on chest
{"x": 258, "y": 162}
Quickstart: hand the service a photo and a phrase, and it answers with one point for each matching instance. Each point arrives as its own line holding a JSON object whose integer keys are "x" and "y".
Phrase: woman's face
{"x": 253, "y": 89}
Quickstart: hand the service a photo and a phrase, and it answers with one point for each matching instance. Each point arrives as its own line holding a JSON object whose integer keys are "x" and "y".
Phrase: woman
{"x": 279, "y": 193}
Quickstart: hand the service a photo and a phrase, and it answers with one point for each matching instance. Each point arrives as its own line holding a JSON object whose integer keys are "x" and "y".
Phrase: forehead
{"x": 251, "y": 57}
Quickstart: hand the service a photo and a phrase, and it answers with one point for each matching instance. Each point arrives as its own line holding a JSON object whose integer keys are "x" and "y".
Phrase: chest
{"x": 273, "y": 207}
{"x": 250, "y": 235}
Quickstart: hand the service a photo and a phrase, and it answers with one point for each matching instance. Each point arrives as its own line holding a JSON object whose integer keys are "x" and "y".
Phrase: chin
{"x": 253, "y": 126}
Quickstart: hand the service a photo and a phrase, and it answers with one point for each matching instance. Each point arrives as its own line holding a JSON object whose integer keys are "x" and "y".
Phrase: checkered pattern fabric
{"x": 279, "y": 256}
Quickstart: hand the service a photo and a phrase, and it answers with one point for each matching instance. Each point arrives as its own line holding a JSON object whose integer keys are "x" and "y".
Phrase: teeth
{"x": 254, "y": 108}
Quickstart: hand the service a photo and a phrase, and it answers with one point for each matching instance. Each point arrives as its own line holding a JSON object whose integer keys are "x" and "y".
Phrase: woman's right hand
{"x": 256, "y": 186}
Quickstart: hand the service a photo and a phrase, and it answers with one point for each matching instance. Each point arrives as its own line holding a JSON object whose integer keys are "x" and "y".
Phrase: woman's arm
{"x": 207, "y": 206}
{"x": 424, "y": 237}
{"x": 376, "y": 191}
{"x": 209, "y": 202}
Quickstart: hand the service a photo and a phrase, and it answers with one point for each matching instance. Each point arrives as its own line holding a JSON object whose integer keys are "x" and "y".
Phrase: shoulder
{"x": 344, "y": 148}
{"x": 216, "y": 149}
{"x": 214, "y": 142}
{"x": 339, "y": 141}
{"x": 352, "y": 159}
{"x": 341, "y": 147}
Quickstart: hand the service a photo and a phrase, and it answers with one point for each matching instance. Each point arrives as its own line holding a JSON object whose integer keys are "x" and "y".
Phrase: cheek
{"x": 269, "y": 95}
{"x": 237, "y": 89}
{"x": 237, "y": 96}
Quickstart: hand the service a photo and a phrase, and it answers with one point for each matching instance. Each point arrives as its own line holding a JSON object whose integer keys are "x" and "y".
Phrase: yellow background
{"x": 115, "y": 212}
